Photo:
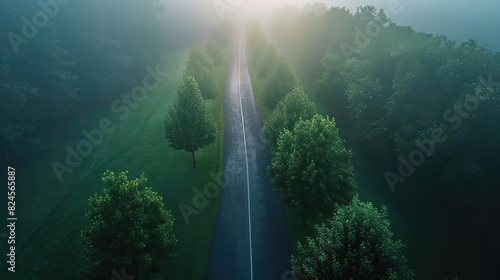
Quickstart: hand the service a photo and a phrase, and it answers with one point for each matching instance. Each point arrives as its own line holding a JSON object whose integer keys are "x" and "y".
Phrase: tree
{"x": 356, "y": 243}
{"x": 205, "y": 79}
{"x": 268, "y": 61}
{"x": 369, "y": 14}
{"x": 366, "y": 102}
{"x": 188, "y": 125}
{"x": 199, "y": 56}
{"x": 281, "y": 81}
{"x": 312, "y": 168}
{"x": 129, "y": 227}
{"x": 331, "y": 89}
{"x": 289, "y": 111}
{"x": 214, "y": 50}
{"x": 201, "y": 68}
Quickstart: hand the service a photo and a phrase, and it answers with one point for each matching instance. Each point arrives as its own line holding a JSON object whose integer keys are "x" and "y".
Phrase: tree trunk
{"x": 194, "y": 159}
{"x": 304, "y": 222}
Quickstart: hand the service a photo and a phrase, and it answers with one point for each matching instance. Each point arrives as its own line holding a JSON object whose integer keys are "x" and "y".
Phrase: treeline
{"x": 400, "y": 97}
{"x": 60, "y": 57}
{"x": 188, "y": 125}
{"x": 312, "y": 169}
{"x": 419, "y": 111}
{"x": 146, "y": 249}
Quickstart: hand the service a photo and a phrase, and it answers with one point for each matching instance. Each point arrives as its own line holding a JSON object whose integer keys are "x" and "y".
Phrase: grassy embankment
{"x": 52, "y": 213}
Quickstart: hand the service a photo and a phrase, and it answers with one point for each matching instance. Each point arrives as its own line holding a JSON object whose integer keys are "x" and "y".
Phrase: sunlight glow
{"x": 263, "y": 7}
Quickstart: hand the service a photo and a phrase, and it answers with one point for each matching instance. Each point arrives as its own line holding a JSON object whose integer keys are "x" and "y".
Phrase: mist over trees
{"x": 90, "y": 51}
{"x": 388, "y": 86}
{"x": 201, "y": 67}
{"x": 419, "y": 111}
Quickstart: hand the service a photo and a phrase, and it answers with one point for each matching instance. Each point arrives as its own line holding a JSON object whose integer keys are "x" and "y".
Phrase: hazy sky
{"x": 458, "y": 19}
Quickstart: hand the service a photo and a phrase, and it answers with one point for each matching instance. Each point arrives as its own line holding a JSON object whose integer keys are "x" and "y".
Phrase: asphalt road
{"x": 251, "y": 238}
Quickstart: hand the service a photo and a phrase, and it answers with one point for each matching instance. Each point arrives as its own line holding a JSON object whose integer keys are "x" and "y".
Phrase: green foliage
{"x": 257, "y": 39}
{"x": 205, "y": 79}
{"x": 201, "y": 68}
{"x": 289, "y": 111}
{"x": 188, "y": 125}
{"x": 26, "y": 90}
{"x": 128, "y": 228}
{"x": 312, "y": 168}
{"x": 213, "y": 49}
{"x": 88, "y": 54}
{"x": 281, "y": 81}
{"x": 268, "y": 61}
{"x": 368, "y": 14}
{"x": 399, "y": 95}
{"x": 199, "y": 56}
{"x": 397, "y": 87}
{"x": 369, "y": 120}
{"x": 331, "y": 90}
{"x": 356, "y": 243}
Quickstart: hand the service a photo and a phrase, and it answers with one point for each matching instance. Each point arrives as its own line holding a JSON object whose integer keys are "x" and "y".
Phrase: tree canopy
{"x": 290, "y": 110}
{"x": 356, "y": 243}
{"x": 188, "y": 125}
{"x": 128, "y": 228}
{"x": 312, "y": 168}
{"x": 389, "y": 87}
{"x": 281, "y": 80}
{"x": 200, "y": 66}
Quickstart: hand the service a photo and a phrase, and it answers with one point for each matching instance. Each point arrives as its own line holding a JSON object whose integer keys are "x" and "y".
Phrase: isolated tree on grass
{"x": 129, "y": 228}
{"x": 201, "y": 68}
{"x": 280, "y": 81}
{"x": 189, "y": 126}
{"x": 312, "y": 168}
{"x": 356, "y": 243}
{"x": 289, "y": 111}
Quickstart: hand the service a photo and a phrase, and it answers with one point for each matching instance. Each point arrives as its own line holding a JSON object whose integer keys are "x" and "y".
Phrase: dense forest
{"x": 391, "y": 88}
{"x": 419, "y": 111}
{"x": 90, "y": 53}
{"x": 356, "y": 147}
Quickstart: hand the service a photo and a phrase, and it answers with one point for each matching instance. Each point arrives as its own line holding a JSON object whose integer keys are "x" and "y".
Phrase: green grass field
{"x": 51, "y": 214}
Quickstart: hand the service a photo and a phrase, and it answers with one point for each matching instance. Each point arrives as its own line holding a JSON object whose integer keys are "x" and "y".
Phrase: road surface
{"x": 251, "y": 238}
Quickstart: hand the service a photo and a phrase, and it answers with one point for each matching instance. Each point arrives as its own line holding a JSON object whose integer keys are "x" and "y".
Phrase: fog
{"x": 459, "y": 20}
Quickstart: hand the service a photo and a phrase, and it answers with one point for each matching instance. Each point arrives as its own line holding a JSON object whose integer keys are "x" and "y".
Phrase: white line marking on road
{"x": 246, "y": 161}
